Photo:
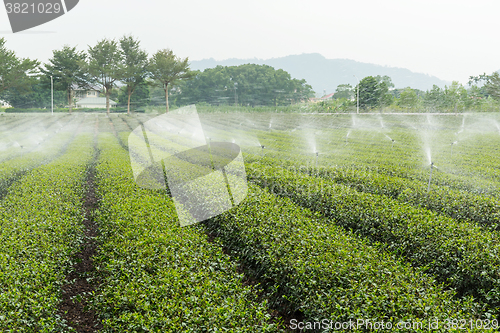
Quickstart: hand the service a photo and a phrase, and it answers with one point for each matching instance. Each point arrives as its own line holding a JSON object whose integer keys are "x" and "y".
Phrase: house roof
{"x": 95, "y": 101}
{"x": 90, "y": 87}
{"x": 328, "y": 96}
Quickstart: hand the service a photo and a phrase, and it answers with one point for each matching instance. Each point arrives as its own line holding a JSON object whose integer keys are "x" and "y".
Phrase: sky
{"x": 448, "y": 39}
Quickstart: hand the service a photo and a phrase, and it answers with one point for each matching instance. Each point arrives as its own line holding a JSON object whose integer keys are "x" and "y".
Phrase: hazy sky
{"x": 449, "y": 39}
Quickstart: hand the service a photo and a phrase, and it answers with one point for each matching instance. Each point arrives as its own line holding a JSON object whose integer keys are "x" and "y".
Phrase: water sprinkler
{"x": 453, "y": 143}
{"x": 430, "y": 177}
{"x": 317, "y": 158}
{"x": 262, "y": 151}
{"x": 392, "y": 143}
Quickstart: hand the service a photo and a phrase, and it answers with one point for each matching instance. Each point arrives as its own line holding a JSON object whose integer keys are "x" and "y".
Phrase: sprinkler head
{"x": 317, "y": 154}
{"x": 393, "y": 140}
{"x": 262, "y": 146}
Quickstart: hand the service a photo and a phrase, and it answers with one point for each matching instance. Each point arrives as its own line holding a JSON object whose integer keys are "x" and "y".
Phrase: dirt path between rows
{"x": 80, "y": 281}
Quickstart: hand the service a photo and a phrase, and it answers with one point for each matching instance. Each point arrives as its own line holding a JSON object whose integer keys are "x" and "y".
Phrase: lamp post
{"x": 235, "y": 96}
{"x": 52, "y": 95}
{"x": 357, "y": 98}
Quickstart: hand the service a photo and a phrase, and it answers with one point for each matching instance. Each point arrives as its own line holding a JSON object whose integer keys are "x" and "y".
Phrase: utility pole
{"x": 52, "y": 94}
{"x": 235, "y": 95}
{"x": 357, "y": 98}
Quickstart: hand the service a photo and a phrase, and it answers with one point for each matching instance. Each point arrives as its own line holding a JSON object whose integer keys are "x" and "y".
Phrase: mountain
{"x": 326, "y": 74}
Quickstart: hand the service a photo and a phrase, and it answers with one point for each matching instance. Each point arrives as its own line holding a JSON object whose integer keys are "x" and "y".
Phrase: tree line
{"x": 150, "y": 80}
{"x": 377, "y": 92}
{"x": 249, "y": 85}
{"x": 104, "y": 64}
{"x": 122, "y": 63}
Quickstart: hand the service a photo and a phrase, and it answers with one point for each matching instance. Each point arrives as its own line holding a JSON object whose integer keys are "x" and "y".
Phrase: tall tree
{"x": 408, "y": 98}
{"x": 135, "y": 63}
{"x": 67, "y": 70}
{"x": 387, "y": 79}
{"x": 344, "y": 91}
{"x": 374, "y": 91}
{"x": 384, "y": 97}
{"x": 14, "y": 71}
{"x": 455, "y": 96}
{"x": 434, "y": 98}
{"x": 476, "y": 97}
{"x": 369, "y": 93}
{"x": 105, "y": 65}
{"x": 492, "y": 86}
{"x": 167, "y": 69}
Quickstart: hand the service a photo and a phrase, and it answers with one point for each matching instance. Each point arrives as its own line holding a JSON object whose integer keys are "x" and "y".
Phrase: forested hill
{"x": 326, "y": 74}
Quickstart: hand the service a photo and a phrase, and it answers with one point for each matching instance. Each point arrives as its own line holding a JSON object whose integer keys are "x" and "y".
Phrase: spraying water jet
{"x": 392, "y": 140}
{"x": 497, "y": 126}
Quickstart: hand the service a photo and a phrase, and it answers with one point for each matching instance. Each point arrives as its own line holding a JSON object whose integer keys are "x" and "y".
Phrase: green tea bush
{"x": 459, "y": 254}
{"x": 460, "y": 205}
{"x": 157, "y": 276}
{"x": 324, "y": 271}
{"x": 40, "y": 228}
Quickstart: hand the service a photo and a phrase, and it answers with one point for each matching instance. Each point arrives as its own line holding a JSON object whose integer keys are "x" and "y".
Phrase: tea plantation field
{"x": 351, "y": 223}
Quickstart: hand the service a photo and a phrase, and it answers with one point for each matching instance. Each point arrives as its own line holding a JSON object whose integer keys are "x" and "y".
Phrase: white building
{"x": 89, "y": 98}
{"x": 4, "y": 104}
{"x": 80, "y": 93}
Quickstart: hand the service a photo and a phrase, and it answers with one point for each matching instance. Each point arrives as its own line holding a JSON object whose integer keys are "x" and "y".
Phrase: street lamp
{"x": 52, "y": 94}
{"x": 357, "y": 98}
{"x": 235, "y": 96}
